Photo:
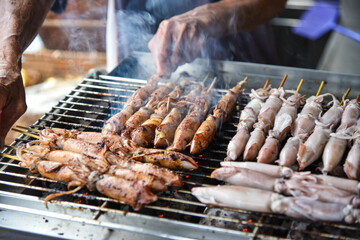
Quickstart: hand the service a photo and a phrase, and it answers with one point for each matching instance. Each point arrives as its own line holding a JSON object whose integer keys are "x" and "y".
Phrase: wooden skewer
{"x": 244, "y": 81}
{"x": 266, "y": 83}
{"x": 212, "y": 84}
{"x": 9, "y": 156}
{"x": 283, "y": 81}
{"x": 358, "y": 97}
{"x": 27, "y": 128}
{"x": 26, "y": 133}
{"x": 299, "y": 86}
{"x": 206, "y": 77}
{"x": 345, "y": 96}
{"x": 320, "y": 88}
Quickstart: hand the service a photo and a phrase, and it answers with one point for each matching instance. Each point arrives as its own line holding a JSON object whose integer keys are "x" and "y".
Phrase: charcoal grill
{"x": 177, "y": 214}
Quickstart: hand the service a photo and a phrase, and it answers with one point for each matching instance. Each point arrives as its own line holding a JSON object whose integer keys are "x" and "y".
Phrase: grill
{"x": 177, "y": 214}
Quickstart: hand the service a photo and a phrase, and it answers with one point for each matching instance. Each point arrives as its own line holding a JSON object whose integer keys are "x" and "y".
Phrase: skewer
{"x": 283, "y": 81}
{"x": 27, "y": 128}
{"x": 9, "y": 156}
{"x": 320, "y": 88}
{"x": 266, "y": 83}
{"x": 245, "y": 80}
{"x": 212, "y": 84}
{"x": 299, "y": 86}
{"x": 26, "y": 133}
{"x": 345, "y": 96}
{"x": 206, "y": 77}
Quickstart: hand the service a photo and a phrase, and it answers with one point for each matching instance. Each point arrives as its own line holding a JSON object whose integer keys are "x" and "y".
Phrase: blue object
{"x": 320, "y": 19}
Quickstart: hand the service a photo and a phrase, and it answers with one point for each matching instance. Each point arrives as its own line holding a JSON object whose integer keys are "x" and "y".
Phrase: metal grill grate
{"x": 177, "y": 214}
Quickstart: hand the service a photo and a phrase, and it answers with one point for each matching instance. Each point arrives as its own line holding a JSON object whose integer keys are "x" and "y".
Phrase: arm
{"x": 180, "y": 38}
{"x": 19, "y": 24}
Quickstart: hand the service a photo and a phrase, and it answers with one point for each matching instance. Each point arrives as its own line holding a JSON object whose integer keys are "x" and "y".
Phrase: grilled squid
{"x": 185, "y": 131}
{"x": 222, "y": 112}
{"x": 165, "y": 132}
{"x": 144, "y": 134}
{"x": 137, "y": 100}
{"x": 97, "y": 145}
{"x": 144, "y": 112}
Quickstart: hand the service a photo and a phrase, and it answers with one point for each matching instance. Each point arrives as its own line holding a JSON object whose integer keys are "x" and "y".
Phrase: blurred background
{"x": 71, "y": 46}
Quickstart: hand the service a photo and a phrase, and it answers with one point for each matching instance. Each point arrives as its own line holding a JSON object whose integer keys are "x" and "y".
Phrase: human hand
{"x": 178, "y": 40}
{"x": 12, "y": 99}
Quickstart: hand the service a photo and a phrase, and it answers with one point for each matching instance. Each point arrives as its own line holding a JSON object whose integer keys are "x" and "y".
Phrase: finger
{"x": 160, "y": 47}
{"x": 8, "y": 116}
{"x": 179, "y": 40}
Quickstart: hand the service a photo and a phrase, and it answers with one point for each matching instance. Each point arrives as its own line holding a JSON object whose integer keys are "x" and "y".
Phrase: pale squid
{"x": 247, "y": 119}
{"x": 312, "y": 149}
{"x": 265, "y": 122}
{"x": 302, "y": 128}
{"x": 336, "y": 146}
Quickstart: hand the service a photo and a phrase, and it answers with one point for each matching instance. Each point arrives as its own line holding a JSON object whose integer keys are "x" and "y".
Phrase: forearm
{"x": 19, "y": 24}
{"x": 234, "y": 16}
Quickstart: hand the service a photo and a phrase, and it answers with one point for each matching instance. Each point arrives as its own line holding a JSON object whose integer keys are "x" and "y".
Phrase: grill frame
{"x": 69, "y": 219}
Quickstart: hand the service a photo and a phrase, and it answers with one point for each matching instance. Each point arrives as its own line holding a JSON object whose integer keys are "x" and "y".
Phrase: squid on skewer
{"x": 283, "y": 122}
{"x": 352, "y": 162}
{"x": 186, "y": 130}
{"x": 312, "y": 149}
{"x": 336, "y": 146}
{"x": 285, "y": 172}
{"x": 222, "y": 112}
{"x": 291, "y": 187}
{"x": 252, "y": 199}
{"x": 165, "y": 132}
{"x": 133, "y": 192}
{"x": 137, "y": 100}
{"x": 247, "y": 119}
{"x": 265, "y": 122}
{"x": 144, "y": 134}
{"x": 96, "y": 145}
{"x": 303, "y": 127}
{"x": 144, "y": 112}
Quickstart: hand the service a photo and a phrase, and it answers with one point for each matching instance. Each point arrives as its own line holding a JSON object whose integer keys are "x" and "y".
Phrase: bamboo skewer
{"x": 26, "y": 133}
{"x": 283, "y": 81}
{"x": 266, "y": 83}
{"x": 320, "y": 88}
{"x": 9, "y": 156}
{"x": 27, "y": 128}
{"x": 206, "y": 77}
{"x": 212, "y": 84}
{"x": 300, "y": 84}
{"x": 345, "y": 96}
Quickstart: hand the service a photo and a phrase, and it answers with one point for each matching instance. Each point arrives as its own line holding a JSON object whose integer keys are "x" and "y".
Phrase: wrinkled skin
{"x": 16, "y": 33}
{"x": 181, "y": 38}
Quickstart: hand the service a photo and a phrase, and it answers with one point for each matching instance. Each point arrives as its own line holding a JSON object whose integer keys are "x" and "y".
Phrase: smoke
{"x": 134, "y": 31}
